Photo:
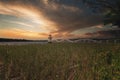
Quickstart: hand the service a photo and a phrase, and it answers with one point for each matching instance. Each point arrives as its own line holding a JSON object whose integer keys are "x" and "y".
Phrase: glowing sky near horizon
{"x": 36, "y": 19}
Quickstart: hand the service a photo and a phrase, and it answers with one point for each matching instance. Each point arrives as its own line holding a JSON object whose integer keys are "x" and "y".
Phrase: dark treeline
{"x": 19, "y": 40}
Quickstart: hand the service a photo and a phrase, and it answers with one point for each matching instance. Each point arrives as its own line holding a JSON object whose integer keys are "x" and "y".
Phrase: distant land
{"x": 68, "y": 40}
{"x": 20, "y": 40}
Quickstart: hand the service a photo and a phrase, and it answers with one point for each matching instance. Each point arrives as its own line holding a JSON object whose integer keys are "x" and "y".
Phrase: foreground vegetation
{"x": 68, "y": 61}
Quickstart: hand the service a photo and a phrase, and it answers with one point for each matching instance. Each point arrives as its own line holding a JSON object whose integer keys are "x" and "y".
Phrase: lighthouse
{"x": 50, "y": 38}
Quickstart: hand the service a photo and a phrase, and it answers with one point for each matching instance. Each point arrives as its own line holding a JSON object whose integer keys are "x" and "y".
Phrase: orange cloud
{"x": 29, "y": 12}
{"x": 57, "y": 17}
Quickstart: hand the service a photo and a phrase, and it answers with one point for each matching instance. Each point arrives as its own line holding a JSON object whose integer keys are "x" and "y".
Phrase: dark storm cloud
{"x": 71, "y": 15}
{"x": 105, "y": 34}
{"x": 68, "y": 15}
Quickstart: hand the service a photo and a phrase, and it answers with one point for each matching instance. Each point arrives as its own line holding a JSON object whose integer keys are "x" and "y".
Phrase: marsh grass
{"x": 62, "y": 61}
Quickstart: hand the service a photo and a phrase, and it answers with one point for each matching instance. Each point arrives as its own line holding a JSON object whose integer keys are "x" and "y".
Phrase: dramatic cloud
{"x": 105, "y": 34}
{"x": 61, "y": 18}
{"x": 69, "y": 17}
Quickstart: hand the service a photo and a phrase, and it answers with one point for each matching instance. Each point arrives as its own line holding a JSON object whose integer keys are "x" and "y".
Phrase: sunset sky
{"x": 36, "y": 19}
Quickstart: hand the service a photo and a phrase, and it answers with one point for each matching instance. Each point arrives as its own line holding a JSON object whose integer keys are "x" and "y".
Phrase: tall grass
{"x": 63, "y": 61}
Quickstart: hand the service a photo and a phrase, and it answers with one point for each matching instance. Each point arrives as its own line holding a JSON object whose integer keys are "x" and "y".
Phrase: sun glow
{"x": 35, "y": 23}
{"x": 21, "y": 34}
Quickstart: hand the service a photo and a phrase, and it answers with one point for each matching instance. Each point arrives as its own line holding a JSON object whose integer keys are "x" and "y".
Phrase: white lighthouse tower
{"x": 50, "y": 38}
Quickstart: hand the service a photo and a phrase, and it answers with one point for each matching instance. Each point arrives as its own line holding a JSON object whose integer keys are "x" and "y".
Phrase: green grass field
{"x": 60, "y": 61}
